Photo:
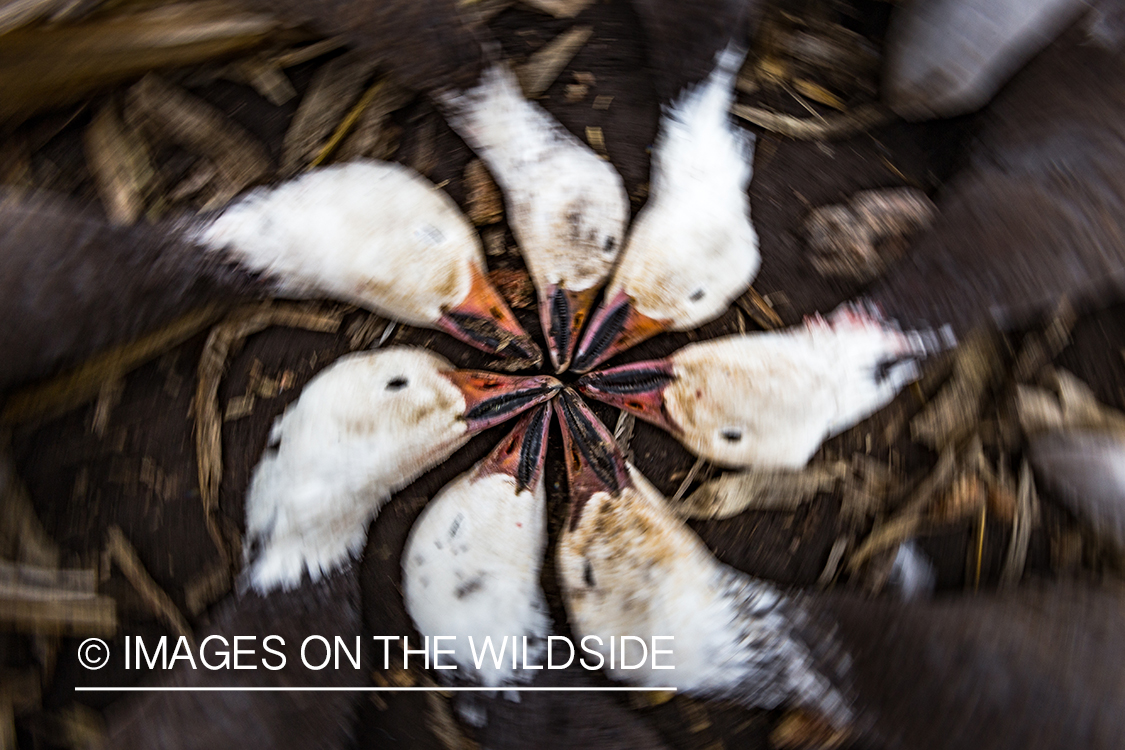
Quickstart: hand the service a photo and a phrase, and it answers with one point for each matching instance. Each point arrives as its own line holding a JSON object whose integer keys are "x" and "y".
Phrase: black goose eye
{"x": 731, "y": 434}
{"x": 396, "y": 384}
{"x": 697, "y": 295}
{"x": 610, "y": 244}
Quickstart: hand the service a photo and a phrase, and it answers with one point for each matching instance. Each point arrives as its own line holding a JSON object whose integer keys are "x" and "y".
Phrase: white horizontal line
{"x": 473, "y": 689}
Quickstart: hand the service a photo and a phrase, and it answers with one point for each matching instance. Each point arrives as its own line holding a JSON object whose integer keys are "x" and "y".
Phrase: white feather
{"x": 566, "y": 206}
{"x": 372, "y": 233}
{"x": 771, "y": 399}
{"x": 471, "y": 569}
{"x": 362, "y": 428}
{"x": 693, "y": 250}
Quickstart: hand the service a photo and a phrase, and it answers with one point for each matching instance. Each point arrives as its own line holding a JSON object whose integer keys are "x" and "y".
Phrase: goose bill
{"x": 637, "y": 387}
{"x": 484, "y": 320}
{"x": 491, "y": 398}
{"x": 522, "y": 453}
{"x": 562, "y": 314}
{"x": 594, "y": 463}
{"x": 616, "y": 327}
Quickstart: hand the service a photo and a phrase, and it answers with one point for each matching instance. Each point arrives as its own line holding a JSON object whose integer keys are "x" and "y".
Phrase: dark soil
{"x": 82, "y": 482}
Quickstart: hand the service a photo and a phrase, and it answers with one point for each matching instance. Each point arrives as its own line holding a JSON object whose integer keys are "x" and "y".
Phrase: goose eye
{"x": 731, "y": 434}
{"x": 610, "y": 245}
{"x": 697, "y": 295}
{"x": 397, "y": 384}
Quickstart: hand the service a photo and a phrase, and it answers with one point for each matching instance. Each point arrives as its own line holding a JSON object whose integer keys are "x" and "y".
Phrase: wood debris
{"x": 47, "y": 66}
{"x": 54, "y": 602}
{"x": 819, "y": 94}
{"x": 760, "y": 489}
{"x": 760, "y": 310}
{"x": 365, "y": 331}
{"x": 576, "y": 92}
{"x": 120, "y": 163}
{"x": 832, "y": 128}
{"x": 867, "y": 488}
{"x": 266, "y": 77}
{"x": 17, "y": 13}
{"x": 514, "y": 286}
{"x": 22, "y": 536}
{"x": 623, "y": 433}
{"x": 108, "y": 397}
{"x": 1025, "y": 513}
{"x": 309, "y": 52}
{"x": 212, "y": 364}
{"x": 1064, "y": 402}
{"x": 1040, "y": 347}
{"x": 964, "y": 498}
{"x": 905, "y": 524}
{"x": 74, "y": 726}
{"x": 800, "y": 730}
{"x": 485, "y": 204}
{"x": 494, "y": 240}
{"x": 559, "y": 8}
{"x": 335, "y": 87}
{"x": 948, "y": 418}
{"x": 75, "y": 387}
{"x": 374, "y": 136}
{"x": 20, "y": 692}
{"x": 206, "y": 589}
{"x": 423, "y": 157}
{"x": 596, "y": 139}
{"x": 241, "y": 160}
{"x": 542, "y": 68}
{"x": 121, "y": 552}
{"x": 602, "y": 102}
{"x": 687, "y": 480}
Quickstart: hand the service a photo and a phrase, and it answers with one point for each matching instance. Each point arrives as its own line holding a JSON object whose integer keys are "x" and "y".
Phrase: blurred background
{"x": 126, "y": 477}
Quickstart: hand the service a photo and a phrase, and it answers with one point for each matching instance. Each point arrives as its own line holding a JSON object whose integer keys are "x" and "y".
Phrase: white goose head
{"x": 768, "y": 399}
{"x": 567, "y": 207}
{"x": 692, "y": 249}
{"x": 364, "y": 427}
{"x": 471, "y": 565}
{"x": 380, "y": 236}
{"x": 627, "y": 564}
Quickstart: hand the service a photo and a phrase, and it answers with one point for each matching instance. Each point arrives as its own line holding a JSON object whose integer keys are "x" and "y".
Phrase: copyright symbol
{"x": 93, "y": 653}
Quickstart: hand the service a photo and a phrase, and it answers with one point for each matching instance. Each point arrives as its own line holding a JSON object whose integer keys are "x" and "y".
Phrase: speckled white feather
{"x": 771, "y": 399}
{"x": 362, "y": 428}
{"x": 471, "y": 569}
{"x": 376, "y": 234}
{"x": 567, "y": 207}
{"x": 692, "y": 249}
{"x": 631, "y": 567}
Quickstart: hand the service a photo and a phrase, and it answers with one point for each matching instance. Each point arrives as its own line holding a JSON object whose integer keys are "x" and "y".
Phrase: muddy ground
{"x": 140, "y": 472}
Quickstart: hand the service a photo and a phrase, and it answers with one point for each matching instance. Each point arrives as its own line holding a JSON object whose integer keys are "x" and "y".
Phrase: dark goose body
{"x": 1040, "y": 667}
{"x": 372, "y": 233}
{"x": 263, "y": 720}
{"x": 1035, "y": 669}
{"x": 72, "y": 284}
{"x": 1039, "y": 212}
